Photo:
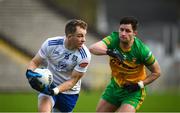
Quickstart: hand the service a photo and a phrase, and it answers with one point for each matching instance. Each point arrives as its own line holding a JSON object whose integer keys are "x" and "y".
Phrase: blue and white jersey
{"x": 61, "y": 61}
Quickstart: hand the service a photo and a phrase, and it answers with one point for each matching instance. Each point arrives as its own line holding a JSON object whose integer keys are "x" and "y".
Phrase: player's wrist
{"x": 56, "y": 90}
{"x": 141, "y": 84}
{"x": 108, "y": 51}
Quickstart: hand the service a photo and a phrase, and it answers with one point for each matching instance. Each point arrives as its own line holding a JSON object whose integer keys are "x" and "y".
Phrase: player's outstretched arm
{"x": 98, "y": 48}
{"x": 35, "y": 62}
{"x": 76, "y": 76}
{"x": 155, "y": 73}
{"x": 31, "y": 75}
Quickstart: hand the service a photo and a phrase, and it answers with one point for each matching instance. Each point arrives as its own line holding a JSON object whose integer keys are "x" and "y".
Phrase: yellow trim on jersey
{"x": 150, "y": 61}
{"x": 107, "y": 40}
{"x": 142, "y": 98}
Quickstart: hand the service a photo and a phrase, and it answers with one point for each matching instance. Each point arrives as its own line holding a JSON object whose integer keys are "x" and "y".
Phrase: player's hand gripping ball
{"x": 46, "y": 78}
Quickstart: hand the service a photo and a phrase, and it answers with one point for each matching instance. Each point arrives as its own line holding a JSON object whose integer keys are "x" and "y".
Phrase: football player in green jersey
{"x": 128, "y": 58}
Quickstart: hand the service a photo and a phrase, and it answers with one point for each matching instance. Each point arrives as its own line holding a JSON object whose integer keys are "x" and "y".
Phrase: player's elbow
{"x": 157, "y": 73}
{"x": 97, "y": 50}
{"x": 92, "y": 49}
{"x": 156, "y": 70}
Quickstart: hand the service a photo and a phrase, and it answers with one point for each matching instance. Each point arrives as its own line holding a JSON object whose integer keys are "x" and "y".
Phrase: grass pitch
{"x": 27, "y": 102}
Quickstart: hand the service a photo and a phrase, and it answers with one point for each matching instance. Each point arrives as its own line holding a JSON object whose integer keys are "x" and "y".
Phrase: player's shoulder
{"x": 142, "y": 47}
{"x": 114, "y": 34}
{"x": 140, "y": 43}
{"x": 112, "y": 39}
{"x": 58, "y": 40}
{"x": 84, "y": 52}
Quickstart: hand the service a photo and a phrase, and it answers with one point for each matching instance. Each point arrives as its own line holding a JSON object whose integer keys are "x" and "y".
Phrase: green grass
{"x": 18, "y": 102}
{"x": 87, "y": 101}
{"x": 27, "y": 102}
{"x": 164, "y": 102}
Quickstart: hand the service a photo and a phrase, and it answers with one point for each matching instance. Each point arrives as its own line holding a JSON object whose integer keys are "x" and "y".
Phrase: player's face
{"x": 78, "y": 38}
{"x": 126, "y": 33}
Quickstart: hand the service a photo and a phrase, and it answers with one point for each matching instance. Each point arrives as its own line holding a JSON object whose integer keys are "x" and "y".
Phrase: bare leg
{"x": 44, "y": 104}
{"x": 126, "y": 108}
{"x": 104, "y": 106}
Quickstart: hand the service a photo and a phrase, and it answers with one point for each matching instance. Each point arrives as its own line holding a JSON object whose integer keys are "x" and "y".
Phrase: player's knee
{"x": 44, "y": 105}
{"x": 127, "y": 108}
{"x": 44, "y": 108}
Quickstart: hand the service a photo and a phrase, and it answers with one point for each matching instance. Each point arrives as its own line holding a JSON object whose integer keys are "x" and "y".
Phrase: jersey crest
{"x": 83, "y": 65}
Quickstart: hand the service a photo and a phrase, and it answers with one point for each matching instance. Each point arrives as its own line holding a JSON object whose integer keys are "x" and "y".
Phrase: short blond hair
{"x": 71, "y": 25}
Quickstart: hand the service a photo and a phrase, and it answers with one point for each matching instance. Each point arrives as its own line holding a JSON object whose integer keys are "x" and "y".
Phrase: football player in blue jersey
{"x": 68, "y": 59}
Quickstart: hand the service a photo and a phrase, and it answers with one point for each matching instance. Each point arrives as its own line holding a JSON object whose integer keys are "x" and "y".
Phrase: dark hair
{"x": 130, "y": 20}
{"x": 71, "y": 25}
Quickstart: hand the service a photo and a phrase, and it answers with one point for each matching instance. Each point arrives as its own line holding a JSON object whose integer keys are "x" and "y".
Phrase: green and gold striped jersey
{"x": 132, "y": 69}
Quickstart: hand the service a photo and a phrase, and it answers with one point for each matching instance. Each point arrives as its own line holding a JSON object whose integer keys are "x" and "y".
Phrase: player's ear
{"x": 69, "y": 36}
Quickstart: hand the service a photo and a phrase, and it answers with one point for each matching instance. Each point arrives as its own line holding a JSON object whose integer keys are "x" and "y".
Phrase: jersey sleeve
{"x": 148, "y": 57}
{"x": 111, "y": 40}
{"x": 45, "y": 50}
{"x": 107, "y": 40}
{"x": 83, "y": 65}
{"x": 84, "y": 62}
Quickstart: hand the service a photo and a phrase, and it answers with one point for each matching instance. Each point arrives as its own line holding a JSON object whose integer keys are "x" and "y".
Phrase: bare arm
{"x": 155, "y": 73}
{"x": 76, "y": 76}
{"x": 99, "y": 48}
{"x": 35, "y": 62}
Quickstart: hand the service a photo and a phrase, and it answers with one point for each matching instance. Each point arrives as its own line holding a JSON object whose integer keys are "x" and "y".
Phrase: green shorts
{"x": 117, "y": 95}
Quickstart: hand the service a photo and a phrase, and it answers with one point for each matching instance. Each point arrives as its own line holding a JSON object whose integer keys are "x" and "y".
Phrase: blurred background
{"x": 25, "y": 24}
